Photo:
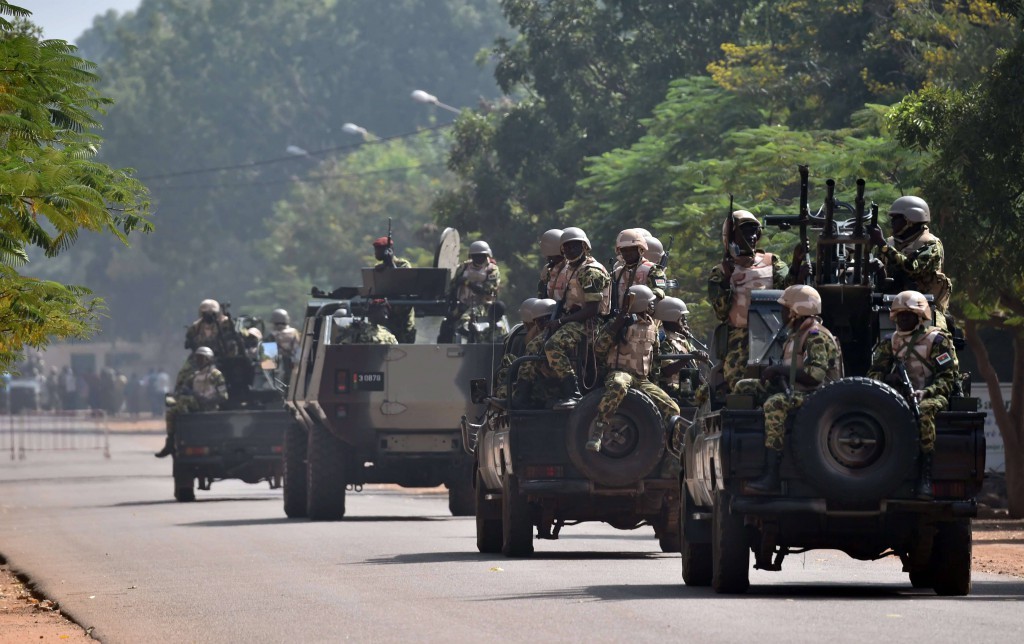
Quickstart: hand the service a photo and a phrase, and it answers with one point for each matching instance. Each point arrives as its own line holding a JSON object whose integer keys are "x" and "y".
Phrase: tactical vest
{"x": 914, "y": 349}
{"x": 799, "y": 339}
{"x": 549, "y": 277}
{"x": 204, "y": 387}
{"x": 636, "y": 354}
{"x": 287, "y": 341}
{"x": 679, "y": 344}
{"x": 572, "y": 291}
{"x": 621, "y": 278}
{"x": 475, "y": 275}
{"x": 938, "y": 285}
{"x": 745, "y": 279}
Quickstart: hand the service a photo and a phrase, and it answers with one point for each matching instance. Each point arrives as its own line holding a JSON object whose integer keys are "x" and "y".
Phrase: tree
{"x": 51, "y": 188}
{"x": 975, "y": 183}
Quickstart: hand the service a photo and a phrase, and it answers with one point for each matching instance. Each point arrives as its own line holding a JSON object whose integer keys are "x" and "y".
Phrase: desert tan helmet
{"x": 209, "y": 306}
{"x": 631, "y": 238}
{"x": 670, "y": 309}
{"x": 802, "y": 300}
{"x": 738, "y": 218}
{"x": 910, "y": 301}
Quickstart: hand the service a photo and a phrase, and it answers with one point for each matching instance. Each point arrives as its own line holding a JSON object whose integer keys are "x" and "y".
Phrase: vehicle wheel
{"x": 668, "y": 527}
{"x": 489, "y": 537}
{"x": 696, "y": 557}
{"x": 325, "y": 476}
{"x": 295, "y": 442}
{"x": 184, "y": 488}
{"x": 855, "y": 440}
{"x": 730, "y": 553}
{"x": 516, "y": 524}
{"x": 921, "y": 579}
{"x": 632, "y": 448}
{"x": 461, "y": 498}
{"x": 951, "y": 558}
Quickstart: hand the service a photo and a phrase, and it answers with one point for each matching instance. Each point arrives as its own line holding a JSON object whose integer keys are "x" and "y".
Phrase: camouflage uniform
{"x": 196, "y": 390}
{"x": 585, "y": 280}
{"x": 401, "y": 319}
{"x": 542, "y": 391}
{"x": 475, "y": 303}
{"x": 629, "y": 365}
{"x": 932, "y": 366}
{"x": 916, "y": 264}
{"x": 643, "y": 272}
{"x": 731, "y": 305}
{"x": 818, "y": 354}
{"x": 362, "y": 332}
{"x": 546, "y": 285}
{"x": 679, "y": 385}
{"x": 219, "y": 335}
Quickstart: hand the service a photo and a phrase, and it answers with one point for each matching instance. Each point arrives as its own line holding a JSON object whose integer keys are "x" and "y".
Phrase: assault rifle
{"x": 907, "y": 389}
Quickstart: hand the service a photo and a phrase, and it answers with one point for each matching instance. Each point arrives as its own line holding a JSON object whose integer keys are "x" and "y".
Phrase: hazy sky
{"x": 67, "y": 19}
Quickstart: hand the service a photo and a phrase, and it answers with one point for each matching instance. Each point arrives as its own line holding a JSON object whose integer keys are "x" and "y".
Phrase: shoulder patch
{"x": 944, "y": 358}
{"x": 660, "y": 281}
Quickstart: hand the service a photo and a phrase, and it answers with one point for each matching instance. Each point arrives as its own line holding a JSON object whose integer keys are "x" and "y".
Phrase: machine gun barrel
{"x": 858, "y": 232}
{"x": 826, "y": 254}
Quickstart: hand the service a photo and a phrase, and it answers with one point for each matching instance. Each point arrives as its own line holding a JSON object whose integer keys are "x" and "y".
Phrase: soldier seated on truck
{"x": 677, "y": 378}
{"x": 811, "y": 357}
{"x": 628, "y": 345}
{"x": 925, "y": 354}
{"x": 201, "y": 388}
{"x": 526, "y": 394}
{"x": 373, "y": 330}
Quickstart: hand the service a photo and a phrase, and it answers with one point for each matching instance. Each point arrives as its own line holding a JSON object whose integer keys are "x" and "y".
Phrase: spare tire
{"x": 855, "y": 440}
{"x": 631, "y": 449}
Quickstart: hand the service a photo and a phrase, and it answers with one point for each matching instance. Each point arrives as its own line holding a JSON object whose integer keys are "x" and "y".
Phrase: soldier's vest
{"x": 572, "y": 291}
{"x": 549, "y": 277}
{"x": 914, "y": 349}
{"x": 206, "y": 333}
{"x": 204, "y": 385}
{"x": 679, "y": 344}
{"x": 476, "y": 275}
{"x": 938, "y": 285}
{"x": 745, "y": 279}
{"x": 637, "y": 352}
{"x": 797, "y": 342}
{"x": 623, "y": 277}
{"x": 287, "y": 341}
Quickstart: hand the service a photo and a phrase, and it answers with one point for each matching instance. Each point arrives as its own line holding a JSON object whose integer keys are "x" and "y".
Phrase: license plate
{"x": 368, "y": 381}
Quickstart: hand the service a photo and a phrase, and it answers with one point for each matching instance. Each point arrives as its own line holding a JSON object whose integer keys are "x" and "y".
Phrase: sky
{"x": 67, "y": 19}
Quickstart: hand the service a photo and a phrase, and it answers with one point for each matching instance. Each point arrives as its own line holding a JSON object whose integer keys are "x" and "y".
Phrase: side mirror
{"x": 478, "y": 390}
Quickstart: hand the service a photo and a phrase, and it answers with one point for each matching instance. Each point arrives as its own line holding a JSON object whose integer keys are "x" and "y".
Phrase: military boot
{"x": 168, "y": 447}
{"x": 769, "y": 480}
{"x": 924, "y": 477}
{"x": 570, "y": 394}
{"x": 596, "y": 436}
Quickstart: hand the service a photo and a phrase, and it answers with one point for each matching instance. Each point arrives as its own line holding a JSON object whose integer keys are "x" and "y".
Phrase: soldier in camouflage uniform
{"x": 745, "y": 268}
{"x": 679, "y": 378}
{"x": 201, "y": 388}
{"x": 628, "y": 345}
{"x": 474, "y": 293}
{"x": 913, "y": 255}
{"x": 635, "y": 269}
{"x": 287, "y": 338}
{"x": 582, "y": 287}
{"x": 402, "y": 319}
{"x": 373, "y": 330}
{"x": 531, "y": 312}
{"x": 811, "y": 357}
{"x": 551, "y": 250}
{"x": 213, "y": 329}
{"x": 655, "y": 252}
{"x": 928, "y": 355}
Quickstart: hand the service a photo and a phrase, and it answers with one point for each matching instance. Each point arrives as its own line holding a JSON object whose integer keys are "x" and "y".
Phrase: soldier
{"x": 635, "y": 269}
{"x": 745, "y": 268}
{"x": 913, "y": 255}
{"x": 927, "y": 354}
{"x": 551, "y": 249}
{"x": 811, "y": 357}
{"x": 199, "y": 388}
{"x": 473, "y": 290}
{"x": 402, "y": 319}
{"x": 372, "y": 331}
{"x": 628, "y": 346}
{"x": 677, "y": 378}
{"x": 287, "y": 338}
{"x": 213, "y": 329}
{"x": 531, "y": 312}
{"x": 655, "y": 252}
{"x": 582, "y": 289}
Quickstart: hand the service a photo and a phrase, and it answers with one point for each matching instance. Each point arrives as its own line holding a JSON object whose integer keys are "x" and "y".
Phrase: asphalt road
{"x": 107, "y": 541}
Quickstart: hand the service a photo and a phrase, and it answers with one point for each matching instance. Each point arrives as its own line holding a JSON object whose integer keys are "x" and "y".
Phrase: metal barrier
{"x": 54, "y": 432}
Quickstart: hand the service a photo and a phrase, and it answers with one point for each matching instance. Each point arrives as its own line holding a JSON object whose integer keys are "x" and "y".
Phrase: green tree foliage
{"x": 322, "y": 233}
{"x": 51, "y": 188}
{"x": 204, "y": 84}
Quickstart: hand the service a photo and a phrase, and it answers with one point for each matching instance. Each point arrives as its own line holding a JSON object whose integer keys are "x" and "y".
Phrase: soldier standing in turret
{"x": 402, "y": 319}
{"x": 213, "y": 329}
{"x": 474, "y": 290}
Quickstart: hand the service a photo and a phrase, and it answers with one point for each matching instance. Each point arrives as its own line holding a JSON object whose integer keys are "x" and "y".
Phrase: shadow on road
{"x": 227, "y": 523}
{"x": 450, "y": 557}
{"x": 224, "y": 499}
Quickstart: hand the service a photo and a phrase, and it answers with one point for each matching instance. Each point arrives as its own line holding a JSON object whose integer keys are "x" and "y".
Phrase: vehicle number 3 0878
{"x": 368, "y": 381}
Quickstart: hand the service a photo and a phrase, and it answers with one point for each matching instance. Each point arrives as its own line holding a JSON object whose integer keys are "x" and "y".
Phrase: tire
{"x": 634, "y": 452}
{"x": 184, "y": 488}
{"x": 921, "y": 579}
{"x": 951, "y": 558}
{"x": 325, "y": 476}
{"x": 855, "y": 440}
{"x": 295, "y": 443}
{"x": 516, "y": 524}
{"x": 696, "y": 557}
{"x": 730, "y": 553}
{"x": 461, "y": 497}
{"x": 489, "y": 537}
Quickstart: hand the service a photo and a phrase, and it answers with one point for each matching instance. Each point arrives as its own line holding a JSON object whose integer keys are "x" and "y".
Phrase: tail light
{"x": 949, "y": 489}
{"x": 543, "y": 471}
{"x": 341, "y": 381}
{"x": 277, "y": 449}
{"x": 197, "y": 451}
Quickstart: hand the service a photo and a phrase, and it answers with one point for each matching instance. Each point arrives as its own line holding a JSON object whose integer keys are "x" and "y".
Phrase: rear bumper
{"x": 773, "y": 506}
{"x": 569, "y": 487}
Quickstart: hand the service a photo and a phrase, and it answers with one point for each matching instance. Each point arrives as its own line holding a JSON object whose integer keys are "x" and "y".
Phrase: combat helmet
{"x": 642, "y": 298}
{"x": 738, "y": 218}
{"x": 204, "y": 352}
{"x": 914, "y": 209}
{"x": 670, "y": 309}
{"x": 802, "y": 300}
{"x": 209, "y": 306}
{"x": 910, "y": 301}
{"x": 526, "y": 313}
{"x": 550, "y": 242}
{"x": 631, "y": 238}
{"x": 279, "y": 316}
{"x": 480, "y": 248}
{"x": 655, "y": 250}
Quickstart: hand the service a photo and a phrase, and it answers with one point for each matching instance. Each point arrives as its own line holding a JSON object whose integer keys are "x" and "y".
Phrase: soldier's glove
{"x": 877, "y": 238}
{"x": 919, "y": 395}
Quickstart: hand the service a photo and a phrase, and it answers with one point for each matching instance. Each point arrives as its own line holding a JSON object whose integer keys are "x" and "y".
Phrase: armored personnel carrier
{"x": 366, "y": 413}
{"x": 850, "y": 462}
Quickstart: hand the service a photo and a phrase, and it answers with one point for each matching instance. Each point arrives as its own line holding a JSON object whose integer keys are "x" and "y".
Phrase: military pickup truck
{"x": 851, "y": 451}
{"x": 367, "y": 413}
{"x": 532, "y": 469}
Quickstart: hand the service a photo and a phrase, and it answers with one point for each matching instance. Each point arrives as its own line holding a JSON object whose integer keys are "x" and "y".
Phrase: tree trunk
{"x": 1009, "y": 419}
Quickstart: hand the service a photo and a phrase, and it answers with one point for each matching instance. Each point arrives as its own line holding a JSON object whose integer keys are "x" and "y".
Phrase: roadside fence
{"x": 57, "y": 431}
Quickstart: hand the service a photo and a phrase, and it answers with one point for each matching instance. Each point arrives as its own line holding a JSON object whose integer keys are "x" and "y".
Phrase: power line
{"x": 290, "y": 157}
{"x": 289, "y": 180}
